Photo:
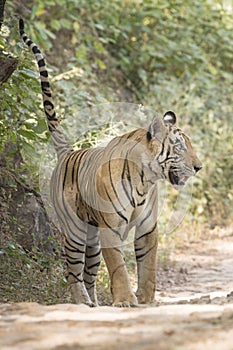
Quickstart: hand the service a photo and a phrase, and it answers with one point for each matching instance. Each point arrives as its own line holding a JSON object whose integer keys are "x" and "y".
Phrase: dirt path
{"x": 193, "y": 311}
{"x": 200, "y": 269}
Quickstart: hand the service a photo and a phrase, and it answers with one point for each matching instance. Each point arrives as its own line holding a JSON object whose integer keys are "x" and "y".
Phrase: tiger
{"x": 100, "y": 193}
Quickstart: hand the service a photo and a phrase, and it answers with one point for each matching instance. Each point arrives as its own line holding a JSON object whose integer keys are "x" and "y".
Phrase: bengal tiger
{"x": 100, "y": 193}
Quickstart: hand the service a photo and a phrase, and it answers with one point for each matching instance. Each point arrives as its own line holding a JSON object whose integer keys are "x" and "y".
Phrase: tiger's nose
{"x": 197, "y": 168}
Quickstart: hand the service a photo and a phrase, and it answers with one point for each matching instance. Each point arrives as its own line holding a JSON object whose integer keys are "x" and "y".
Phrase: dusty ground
{"x": 193, "y": 311}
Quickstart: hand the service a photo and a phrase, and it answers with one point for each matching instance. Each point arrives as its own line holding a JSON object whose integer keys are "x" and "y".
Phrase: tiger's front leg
{"x": 145, "y": 244}
{"x": 123, "y": 295}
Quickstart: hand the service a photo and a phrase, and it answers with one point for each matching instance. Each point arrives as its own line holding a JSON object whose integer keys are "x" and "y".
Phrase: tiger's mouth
{"x": 177, "y": 180}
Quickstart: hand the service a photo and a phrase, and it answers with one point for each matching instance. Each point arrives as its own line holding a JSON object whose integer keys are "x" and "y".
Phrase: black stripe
{"x": 140, "y": 194}
{"x": 110, "y": 227}
{"x": 80, "y": 154}
{"x": 144, "y": 254}
{"x": 148, "y": 136}
{"x": 66, "y": 171}
{"x": 41, "y": 63}
{"x": 91, "y": 274}
{"x": 147, "y": 233}
{"x": 93, "y": 255}
{"x": 51, "y": 128}
{"x": 126, "y": 171}
{"x": 142, "y": 175}
{"x": 130, "y": 184}
{"x": 91, "y": 284}
{"x": 68, "y": 239}
{"x": 162, "y": 150}
{"x": 52, "y": 118}
{"x": 74, "y": 250}
{"x": 143, "y": 202}
{"x": 76, "y": 277}
{"x": 123, "y": 178}
{"x": 167, "y": 159}
{"x": 35, "y": 49}
{"x": 21, "y": 25}
{"x": 75, "y": 262}
{"x": 47, "y": 93}
{"x": 44, "y": 73}
{"x": 29, "y": 43}
{"x": 45, "y": 85}
{"x": 48, "y": 104}
{"x": 148, "y": 214}
{"x": 94, "y": 265}
{"x": 116, "y": 210}
{"x": 92, "y": 163}
{"x": 112, "y": 184}
{"x": 67, "y": 214}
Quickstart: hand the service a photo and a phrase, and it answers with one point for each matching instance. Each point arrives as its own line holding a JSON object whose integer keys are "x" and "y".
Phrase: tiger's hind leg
{"x": 75, "y": 257}
{"x": 92, "y": 262}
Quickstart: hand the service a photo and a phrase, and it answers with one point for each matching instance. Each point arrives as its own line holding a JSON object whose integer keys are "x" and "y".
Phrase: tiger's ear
{"x": 169, "y": 118}
{"x": 156, "y": 129}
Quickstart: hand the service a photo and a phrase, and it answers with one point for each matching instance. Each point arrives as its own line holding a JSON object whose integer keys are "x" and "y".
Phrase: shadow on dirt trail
{"x": 193, "y": 311}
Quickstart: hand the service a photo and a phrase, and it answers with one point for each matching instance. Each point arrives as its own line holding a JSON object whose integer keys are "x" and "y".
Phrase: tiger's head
{"x": 175, "y": 154}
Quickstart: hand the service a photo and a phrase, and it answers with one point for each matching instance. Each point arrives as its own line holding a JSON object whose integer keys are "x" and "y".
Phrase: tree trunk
{"x": 22, "y": 215}
{"x": 8, "y": 65}
{"x": 2, "y": 5}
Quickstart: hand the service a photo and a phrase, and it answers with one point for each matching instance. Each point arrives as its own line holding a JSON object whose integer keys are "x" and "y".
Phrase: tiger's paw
{"x": 93, "y": 296}
{"x": 126, "y": 302}
{"x": 146, "y": 298}
{"x": 80, "y": 295}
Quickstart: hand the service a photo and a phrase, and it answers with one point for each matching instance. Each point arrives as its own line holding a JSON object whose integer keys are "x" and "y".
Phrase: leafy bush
{"x": 31, "y": 276}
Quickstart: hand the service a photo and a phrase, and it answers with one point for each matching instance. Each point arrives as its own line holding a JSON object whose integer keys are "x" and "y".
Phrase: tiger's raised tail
{"x": 62, "y": 147}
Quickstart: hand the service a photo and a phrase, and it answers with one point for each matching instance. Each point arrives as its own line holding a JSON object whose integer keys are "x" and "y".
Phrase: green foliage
{"x": 20, "y": 123}
{"x": 31, "y": 276}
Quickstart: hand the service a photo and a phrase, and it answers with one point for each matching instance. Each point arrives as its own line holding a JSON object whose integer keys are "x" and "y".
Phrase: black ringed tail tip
{"x": 21, "y": 26}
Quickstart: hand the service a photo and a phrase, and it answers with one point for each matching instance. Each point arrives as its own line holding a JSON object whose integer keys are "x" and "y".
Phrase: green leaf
{"x": 34, "y": 11}
{"x": 55, "y": 24}
{"x": 41, "y": 127}
{"x": 99, "y": 47}
{"x": 28, "y": 73}
{"x": 101, "y": 64}
{"x": 28, "y": 134}
{"x": 66, "y": 23}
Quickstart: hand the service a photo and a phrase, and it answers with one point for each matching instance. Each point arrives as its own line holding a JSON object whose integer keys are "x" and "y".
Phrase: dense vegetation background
{"x": 166, "y": 54}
